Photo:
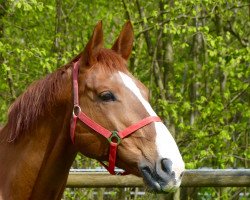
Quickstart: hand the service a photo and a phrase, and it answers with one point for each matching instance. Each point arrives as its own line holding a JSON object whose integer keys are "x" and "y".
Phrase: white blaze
{"x": 165, "y": 143}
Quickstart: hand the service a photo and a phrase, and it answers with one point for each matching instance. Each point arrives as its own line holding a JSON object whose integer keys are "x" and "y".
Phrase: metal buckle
{"x": 76, "y": 110}
{"x": 114, "y": 136}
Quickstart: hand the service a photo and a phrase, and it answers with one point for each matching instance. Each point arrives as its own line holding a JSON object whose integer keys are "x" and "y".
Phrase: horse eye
{"x": 107, "y": 96}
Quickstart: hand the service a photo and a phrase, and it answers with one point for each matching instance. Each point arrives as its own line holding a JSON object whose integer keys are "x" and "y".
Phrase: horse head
{"x": 114, "y": 99}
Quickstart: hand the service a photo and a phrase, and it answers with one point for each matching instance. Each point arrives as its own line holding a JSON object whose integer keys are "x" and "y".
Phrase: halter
{"x": 114, "y": 137}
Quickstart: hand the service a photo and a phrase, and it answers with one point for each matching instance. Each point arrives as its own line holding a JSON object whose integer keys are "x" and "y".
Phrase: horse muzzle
{"x": 162, "y": 177}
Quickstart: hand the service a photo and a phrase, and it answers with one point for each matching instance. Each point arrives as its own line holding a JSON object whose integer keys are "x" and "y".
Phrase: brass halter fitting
{"x": 114, "y": 137}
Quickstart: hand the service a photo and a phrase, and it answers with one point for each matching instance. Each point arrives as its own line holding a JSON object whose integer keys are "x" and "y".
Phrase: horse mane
{"x": 37, "y": 100}
{"x": 42, "y": 95}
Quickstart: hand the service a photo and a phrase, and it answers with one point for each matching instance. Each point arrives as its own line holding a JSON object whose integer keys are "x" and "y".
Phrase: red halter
{"x": 114, "y": 137}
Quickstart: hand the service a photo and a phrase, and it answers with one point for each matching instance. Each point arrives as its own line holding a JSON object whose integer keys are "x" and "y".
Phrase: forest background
{"x": 194, "y": 55}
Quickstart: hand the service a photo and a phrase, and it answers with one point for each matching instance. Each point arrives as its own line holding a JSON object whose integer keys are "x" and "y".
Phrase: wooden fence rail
{"x": 191, "y": 178}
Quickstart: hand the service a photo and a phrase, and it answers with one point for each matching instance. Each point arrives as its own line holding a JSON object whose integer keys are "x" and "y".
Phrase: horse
{"x": 92, "y": 105}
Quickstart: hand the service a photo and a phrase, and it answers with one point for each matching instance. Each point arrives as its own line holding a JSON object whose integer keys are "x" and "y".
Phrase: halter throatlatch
{"x": 114, "y": 137}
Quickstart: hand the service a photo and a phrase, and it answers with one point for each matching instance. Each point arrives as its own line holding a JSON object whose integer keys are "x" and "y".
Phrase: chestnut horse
{"x": 37, "y": 148}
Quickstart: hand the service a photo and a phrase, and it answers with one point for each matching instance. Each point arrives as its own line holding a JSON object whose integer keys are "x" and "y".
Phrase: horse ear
{"x": 93, "y": 46}
{"x": 124, "y": 43}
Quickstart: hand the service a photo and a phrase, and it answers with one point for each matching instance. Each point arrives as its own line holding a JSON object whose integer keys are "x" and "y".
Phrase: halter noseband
{"x": 114, "y": 137}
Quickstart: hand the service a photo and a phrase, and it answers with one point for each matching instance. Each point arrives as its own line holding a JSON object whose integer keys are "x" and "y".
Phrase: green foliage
{"x": 201, "y": 47}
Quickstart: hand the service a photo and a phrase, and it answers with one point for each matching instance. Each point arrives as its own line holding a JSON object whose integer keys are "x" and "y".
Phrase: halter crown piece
{"x": 114, "y": 137}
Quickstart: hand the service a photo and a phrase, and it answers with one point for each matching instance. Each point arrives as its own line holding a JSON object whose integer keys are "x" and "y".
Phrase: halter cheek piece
{"x": 114, "y": 137}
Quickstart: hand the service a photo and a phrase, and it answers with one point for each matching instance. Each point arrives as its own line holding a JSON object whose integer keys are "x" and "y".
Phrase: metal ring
{"x": 114, "y": 136}
{"x": 76, "y": 110}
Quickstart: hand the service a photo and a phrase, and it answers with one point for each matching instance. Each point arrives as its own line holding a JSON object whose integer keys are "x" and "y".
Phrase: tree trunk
{"x": 58, "y": 32}
{"x": 197, "y": 50}
{"x": 152, "y": 52}
{"x": 9, "y": 77}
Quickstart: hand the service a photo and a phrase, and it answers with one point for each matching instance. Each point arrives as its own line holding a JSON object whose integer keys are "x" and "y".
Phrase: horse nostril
{"x": 166, "y": 165}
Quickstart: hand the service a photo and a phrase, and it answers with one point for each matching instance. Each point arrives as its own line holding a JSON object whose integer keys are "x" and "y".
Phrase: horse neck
{"x": 57, "y": 160}
{"x": 36, "y": 166}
